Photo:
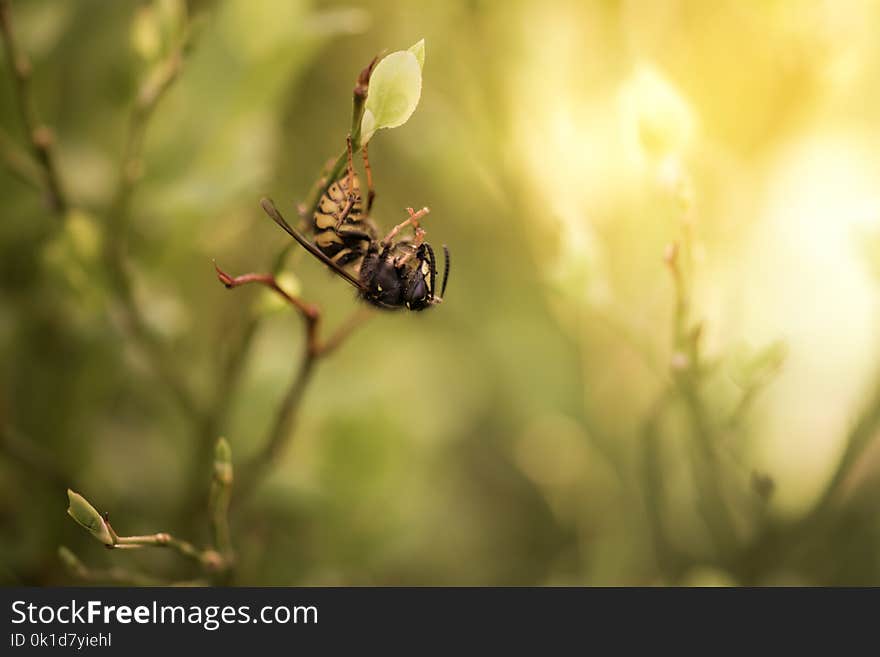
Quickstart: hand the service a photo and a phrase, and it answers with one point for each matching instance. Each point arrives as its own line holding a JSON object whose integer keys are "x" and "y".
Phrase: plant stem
{"x": 653, "y": 489}
{"x": 280, "y": 432}
{"x": 115, "y": 574}
{"x": 687, "y": 370}
{"x": 150, "y": 94}
{"x": 207, "y": 558}
{"x": 20, "y": 164}
{"x": 857, "y": 442}
{"x": 231, "y": 373}
{"x": 313, "y": 350}
{"x": 359, "y": 97}
{"x": 221, "y": 493}
{"x": 39, "y": 136}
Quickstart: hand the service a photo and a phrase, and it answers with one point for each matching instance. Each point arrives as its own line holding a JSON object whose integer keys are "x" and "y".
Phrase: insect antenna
{"x": 270, "y": 209}
{"x": 445, "y": 272}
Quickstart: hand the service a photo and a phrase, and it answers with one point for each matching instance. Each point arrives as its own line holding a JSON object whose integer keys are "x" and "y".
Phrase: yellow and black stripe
{"x": 344, "y": 238}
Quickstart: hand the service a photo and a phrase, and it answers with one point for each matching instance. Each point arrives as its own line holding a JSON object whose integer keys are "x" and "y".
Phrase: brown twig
{"x": 359, "y": 98}
{"x": 207, "y": 558}
{"x": 39, "y": 135}
{"x": 20, "y": 164}
{"x": 115, "y": 574}
{"x": 230, "y": 374}
{"x": 314, "y": 349}
{"x": 687, "y": 373}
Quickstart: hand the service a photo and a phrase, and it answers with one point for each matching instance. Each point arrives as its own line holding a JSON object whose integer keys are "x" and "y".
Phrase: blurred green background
{"x": 556, "y": 420}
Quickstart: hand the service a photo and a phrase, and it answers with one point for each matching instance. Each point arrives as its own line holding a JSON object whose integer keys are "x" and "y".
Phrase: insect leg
{"x": 352, "y": 196}
{"x": 349, "y": 204}
{"x": 413, "y": 221}
{"x": 418, "y": 241}
{"x": 350, "y": 164}
{"x": 371, "y": 195}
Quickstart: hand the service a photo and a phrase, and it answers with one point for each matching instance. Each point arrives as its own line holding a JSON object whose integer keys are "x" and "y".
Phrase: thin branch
{"x": 778, "y": 542}
{"x": 207, "y": 558}
{"x": 359, "y": 97}
{"x": 39, "y": 135}
{"x": 309, "y": 313}
{"x": 653, "y": 490}
{"x": 687, "y": 370}
{"x": 232, "y": 370}
{"x": 340, "y": 335}
{"x": 280, "y": 433}
{"x": 20, "y": 164}
{"x": 227, "y": 379}
{"x": 115, "y": 574}
{"x": 221, "y": 493}
{"x": 150, "y": 94}
{"x": 314, "y": 349}
{"x": 857, "y": 442}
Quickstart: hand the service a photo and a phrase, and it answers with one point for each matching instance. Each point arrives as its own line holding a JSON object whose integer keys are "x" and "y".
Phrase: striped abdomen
{"x": 344, "y": 238}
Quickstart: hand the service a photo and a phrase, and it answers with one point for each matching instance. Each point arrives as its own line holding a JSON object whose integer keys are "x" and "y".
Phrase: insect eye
{"x": 417, "y": 294}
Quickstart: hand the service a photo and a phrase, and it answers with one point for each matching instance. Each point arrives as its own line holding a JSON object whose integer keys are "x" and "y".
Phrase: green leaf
{"x": 88, "y": 518}
{"x": 394, "y": 92}
{"x": 419, "y": 51}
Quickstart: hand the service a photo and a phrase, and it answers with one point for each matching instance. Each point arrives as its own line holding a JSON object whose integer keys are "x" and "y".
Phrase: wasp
{"x": 390, "y": 273}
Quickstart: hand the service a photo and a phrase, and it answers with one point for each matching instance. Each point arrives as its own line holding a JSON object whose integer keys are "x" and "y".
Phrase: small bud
{"x": 213, "y": 560}
{"x": 83, "y": 234}
{"x": 23, "y": 66}
{"x": 670, "y": 255}
{"x": 43, "y": 136}
{"x": 146, "y": 37}
{"x": 658, "y": 119}
{"x": 679, "y": 361}
{"x": 419, "y": 51}
{"x": 88, "y": 518}
{"x": 223, "y": 462}
{"x": 363, "y": 81}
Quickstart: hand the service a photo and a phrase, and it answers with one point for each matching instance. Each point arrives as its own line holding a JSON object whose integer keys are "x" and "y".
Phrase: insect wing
{"x": 272, "y": 211}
